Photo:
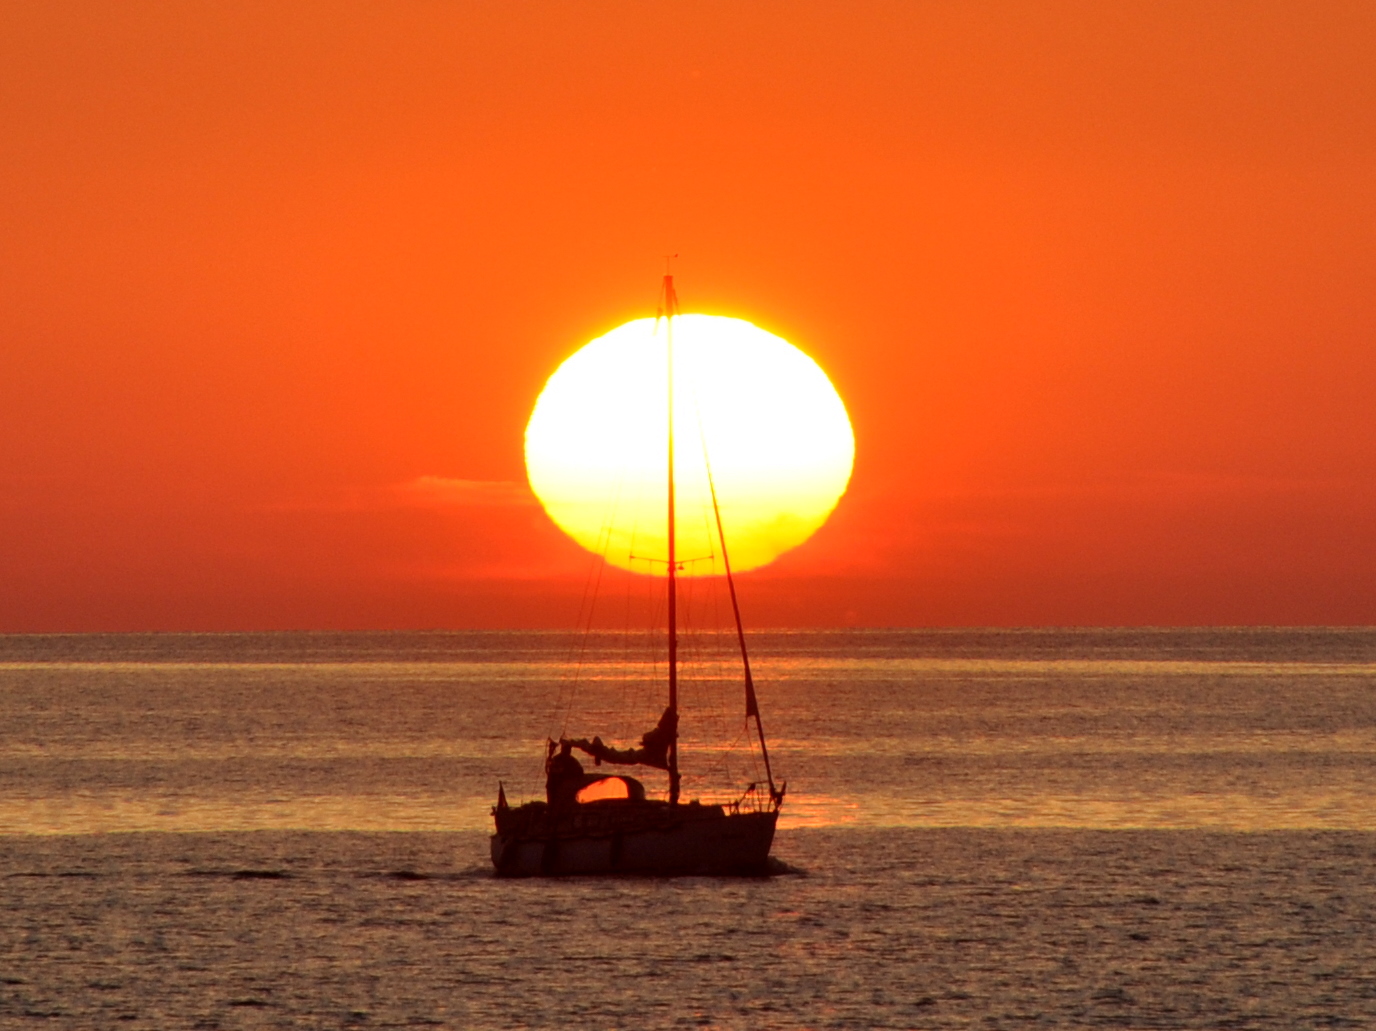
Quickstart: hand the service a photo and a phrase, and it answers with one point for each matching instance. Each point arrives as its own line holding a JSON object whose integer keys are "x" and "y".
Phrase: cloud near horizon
{"x": 445, "y": 492}
{"x": 425, "y": 491}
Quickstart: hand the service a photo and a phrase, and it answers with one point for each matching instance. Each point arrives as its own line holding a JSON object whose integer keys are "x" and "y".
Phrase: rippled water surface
{"x": 1002, "y": 828}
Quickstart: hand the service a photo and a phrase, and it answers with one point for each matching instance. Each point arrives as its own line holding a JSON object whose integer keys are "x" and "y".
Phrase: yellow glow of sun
{"x": 761, "y": 412}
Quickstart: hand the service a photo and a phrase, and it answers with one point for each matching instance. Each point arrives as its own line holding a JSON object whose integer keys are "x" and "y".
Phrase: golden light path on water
{"x": 868, "y": 741}
{"x": 756, "y": 409}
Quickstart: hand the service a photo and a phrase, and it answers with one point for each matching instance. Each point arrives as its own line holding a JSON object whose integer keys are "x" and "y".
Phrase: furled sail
{"x": 653, "y": 750}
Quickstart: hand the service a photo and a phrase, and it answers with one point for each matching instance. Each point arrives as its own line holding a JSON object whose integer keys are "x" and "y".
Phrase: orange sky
{"x": 279, "y": 284}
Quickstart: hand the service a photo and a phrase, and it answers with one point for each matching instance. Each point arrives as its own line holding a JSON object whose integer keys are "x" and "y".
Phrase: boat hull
{"x": 661, "y": 841}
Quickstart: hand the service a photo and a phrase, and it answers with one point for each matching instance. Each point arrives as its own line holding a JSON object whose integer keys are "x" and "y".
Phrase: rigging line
{"x": 718, "y": 623}
{"x": 568, "y": 686}
{"x": 719, "y": 630}
{"x": 651, "y": 605}
{"x": 639, "y": 683}
{"x": 604, "y": 543}
{"x": 620, "y": 676}
{"x": 742, "y": 730}
{"x": 752, "y": 705}
{"x": 713, "y": 658}
{"x": 584, "y": 631}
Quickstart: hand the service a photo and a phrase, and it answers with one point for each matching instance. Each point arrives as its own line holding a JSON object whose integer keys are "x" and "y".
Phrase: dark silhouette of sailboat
{"x": 598, "y": 823}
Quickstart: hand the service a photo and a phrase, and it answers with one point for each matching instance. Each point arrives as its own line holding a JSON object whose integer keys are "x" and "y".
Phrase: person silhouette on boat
{"x": 564, "y": 776}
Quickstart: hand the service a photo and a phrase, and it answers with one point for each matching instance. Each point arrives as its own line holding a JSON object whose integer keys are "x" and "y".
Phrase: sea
{"x": 1146, "y": 828}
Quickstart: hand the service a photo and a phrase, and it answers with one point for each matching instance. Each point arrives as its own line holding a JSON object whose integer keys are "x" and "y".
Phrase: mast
{"x": 670, "y": 309}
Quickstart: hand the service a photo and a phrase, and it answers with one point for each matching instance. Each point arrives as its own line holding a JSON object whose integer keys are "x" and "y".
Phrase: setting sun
{"x": 749, "y": 407}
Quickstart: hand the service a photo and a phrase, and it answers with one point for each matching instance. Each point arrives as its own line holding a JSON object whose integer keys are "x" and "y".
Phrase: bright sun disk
{"x": 760, "y": 411}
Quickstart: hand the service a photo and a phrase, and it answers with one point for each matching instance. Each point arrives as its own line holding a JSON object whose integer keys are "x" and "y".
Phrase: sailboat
{"x": 602, "y": 823}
